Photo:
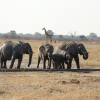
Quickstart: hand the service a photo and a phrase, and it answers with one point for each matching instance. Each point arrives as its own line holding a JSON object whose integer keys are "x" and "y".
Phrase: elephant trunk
{"x": 49, "y": 62}
{"x": 85, "y": 55}
{"x": 30, "y": 59}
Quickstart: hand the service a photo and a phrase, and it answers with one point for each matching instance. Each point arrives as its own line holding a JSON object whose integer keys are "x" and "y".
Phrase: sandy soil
{"x": 50, "y": 85}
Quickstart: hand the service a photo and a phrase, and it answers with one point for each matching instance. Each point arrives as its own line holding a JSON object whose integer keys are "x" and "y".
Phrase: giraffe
{"x": 48, "y": 37}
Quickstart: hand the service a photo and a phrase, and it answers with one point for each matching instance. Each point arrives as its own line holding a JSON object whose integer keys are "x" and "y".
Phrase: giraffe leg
{"x": 51, "y": 41}
{"x": 46, "y": 41}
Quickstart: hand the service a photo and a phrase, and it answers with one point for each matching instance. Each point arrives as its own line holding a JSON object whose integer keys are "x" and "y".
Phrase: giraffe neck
{"x": 45, "y": 32}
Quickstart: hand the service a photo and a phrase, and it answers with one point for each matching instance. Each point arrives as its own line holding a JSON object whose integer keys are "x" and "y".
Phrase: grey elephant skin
{"x": 74, "y": 49}
{"x": 45, "y": 54}
{"x": 58, "y": 61}
{"x": 11, "y": 51}
{"x": 59, "y": 57}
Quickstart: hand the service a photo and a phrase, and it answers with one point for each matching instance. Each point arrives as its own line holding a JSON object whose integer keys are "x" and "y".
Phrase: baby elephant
{"x": 58, "y": 61}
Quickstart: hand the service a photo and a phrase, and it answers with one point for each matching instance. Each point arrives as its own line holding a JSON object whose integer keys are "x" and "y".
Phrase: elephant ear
{"x": 72, "y": 48}
{"x": 81, "y": 48}
{"x": 42, "y": 48}
{"x": 17, "y": 47}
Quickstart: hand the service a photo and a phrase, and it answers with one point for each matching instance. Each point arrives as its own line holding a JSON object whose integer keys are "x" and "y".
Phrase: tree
{"x": 72, "y": 34}
{"x": 93, "y": 36}
{"x": 50, "y": 32}
{"x": 83, "y": 38}
{"x": 38, "y": 35}
{"x": 61, "y": 37}
{"x": 12, "y": 34}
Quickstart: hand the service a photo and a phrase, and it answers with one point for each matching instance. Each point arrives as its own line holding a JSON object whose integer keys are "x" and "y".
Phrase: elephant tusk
{"x": 85, "y": 52}
{"x": 29, "y": 52}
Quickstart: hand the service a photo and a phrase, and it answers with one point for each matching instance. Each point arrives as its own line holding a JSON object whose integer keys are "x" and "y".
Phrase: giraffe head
{"x": 43, "y": 28}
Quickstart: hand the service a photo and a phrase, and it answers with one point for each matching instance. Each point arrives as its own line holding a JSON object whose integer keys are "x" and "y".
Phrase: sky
{"x": 60, "y": 16}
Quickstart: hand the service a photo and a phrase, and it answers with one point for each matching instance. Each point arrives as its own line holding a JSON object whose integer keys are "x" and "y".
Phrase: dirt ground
{"x": 50, "y": 85}
{"x": 53, "y": 85}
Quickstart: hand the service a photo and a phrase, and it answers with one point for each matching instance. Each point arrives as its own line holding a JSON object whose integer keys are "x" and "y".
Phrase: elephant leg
{"x": 1, "y": 63}
{"x": 44, "y": 63}
{"x": 53, "y": 65}
{"x": 5, "y": 64}
{"x": 39, "y": 59}
{"x": 12, "y": 62}
{"x": 69, "y": 64}
{"x": 19, "y": 62}
{"x": 56, "y": 67}
{"x": 60, "y": 66}
{"x": 76, "y": 58}
{"x": 49, "y": 63}
{"x": 63, "y": 66}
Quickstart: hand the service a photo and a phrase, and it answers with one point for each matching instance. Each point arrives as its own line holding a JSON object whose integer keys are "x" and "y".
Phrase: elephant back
{"x": 7, "y": 43}
{"x": 71, "y": 44}
{"x": 72, "y": 48}
{"x": 45, "y": 49}
{"x": 49, "y": 47}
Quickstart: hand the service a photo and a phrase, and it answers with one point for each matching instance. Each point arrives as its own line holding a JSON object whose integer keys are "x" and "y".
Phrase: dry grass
{"x": 53, "y": 85}
{"x": 50, "y": 86}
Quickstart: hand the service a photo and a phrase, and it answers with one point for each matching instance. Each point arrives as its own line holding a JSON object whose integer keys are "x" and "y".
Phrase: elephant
{"x": 74, "y": 49}
{"x": 11, "y": 51}
{"x": 58, "y": 61}
{"x": 59, "y": 57}
{"x": 45, "y": 53}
